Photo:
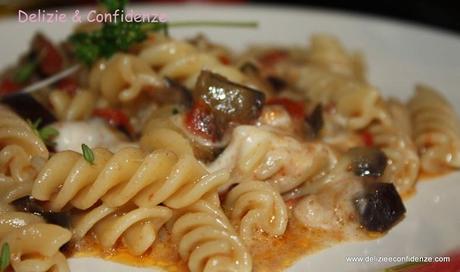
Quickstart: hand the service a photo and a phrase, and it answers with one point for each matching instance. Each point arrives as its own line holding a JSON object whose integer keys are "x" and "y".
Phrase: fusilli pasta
{"x": 207, "y": 241}
{"x": 327, "y": 52}
{"x": 123, "y": 78}
{"x": 136, "y": 227}
{"x": 80, "y": 106}
{"x": 182, "y": 60}
{"x": 395, "y": 141}
{"x": 436, "y": 130}
{"x": 256, "y": 205}
{"x": 257, "y": 153}
{"x": 159, "y": 177}
{"x": 34, "y": 245}
{"x": 15, "y": 131}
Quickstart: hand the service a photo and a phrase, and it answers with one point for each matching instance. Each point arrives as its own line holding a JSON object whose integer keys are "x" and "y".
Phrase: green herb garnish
{"x": 402, "y": 267}
{"x": 35, "y": 124}
{"x": 88, "y": 154}
{"x": 24, "y": 72}
{"x": 111, "y": 38}
{"x": 5, "y": 257}
{"x": 46, "y": 133}
{"x": 119, "y": 36}
{"x": 113, "y": 5}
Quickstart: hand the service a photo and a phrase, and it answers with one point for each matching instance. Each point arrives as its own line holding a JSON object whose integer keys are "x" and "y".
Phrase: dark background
{"x": 441, "y": 14}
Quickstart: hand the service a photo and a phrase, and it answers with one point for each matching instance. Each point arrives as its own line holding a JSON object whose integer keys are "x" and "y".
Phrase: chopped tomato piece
{"x": 295, "y": 108}
{"x": 68, "y": 84}
{"x": 8, "y": 86}
{"x": 272, "y": 57}
{"x": 367, "y": 138}
{"x": 224, "y": 59}
{"x": 200, "y": 121}
{"x": 50, "y": 59}
{"x": 115, "y": 117}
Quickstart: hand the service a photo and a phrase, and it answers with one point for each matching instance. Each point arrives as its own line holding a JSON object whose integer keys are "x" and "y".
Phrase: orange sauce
{"x": 269, "y": 254}
{"x": 163, "y": 254}
{"x": 424, "y": 176}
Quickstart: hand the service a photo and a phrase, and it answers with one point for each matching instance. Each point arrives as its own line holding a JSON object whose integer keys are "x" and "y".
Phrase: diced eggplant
{"x": 379, "y": 207}
{"x": 367, "y": 161}
{"x": 228, "y": 101}
{"x": 29, "y": 108}
{"x": 31, "y": 205}
{"x": 173, "y": 93}
{"x": 62, "y": 219}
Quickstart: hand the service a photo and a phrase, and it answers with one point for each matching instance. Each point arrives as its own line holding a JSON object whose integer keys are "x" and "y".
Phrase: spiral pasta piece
{"x": 12, "y": 189}
{"x": 15, "y": 131}
{"x": 128, "y": 175}
{"x": 207, "y": 241}
{"x": 136, "y": 227}
{"x": 356, "y": 103}
{"x": 327, "y": 52}
{"x": 182, "y": 60}
{"x": 16, "y": 163}
{"x": 161, "y": 132}
{"x": 34, "y": 245}
{"x": 257, "y": 153}
{"x": 395, "y": 141}
{"x": 123, "y": 78}
{"x": 80, "y": 106}
{"x": 436, "y": 130}
{"x": 257, "y": 205}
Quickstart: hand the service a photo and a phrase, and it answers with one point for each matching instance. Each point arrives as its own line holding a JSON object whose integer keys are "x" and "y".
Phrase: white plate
{"x": 398, "y": 54}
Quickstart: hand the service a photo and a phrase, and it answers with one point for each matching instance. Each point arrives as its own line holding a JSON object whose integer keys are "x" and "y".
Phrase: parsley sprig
{"x": 113, "y": 5}
{"x": 46, "y": 133}
{"x": 88, "y": 154}
{"x": 120, "y": 35}
{"x": 24, "y": 72}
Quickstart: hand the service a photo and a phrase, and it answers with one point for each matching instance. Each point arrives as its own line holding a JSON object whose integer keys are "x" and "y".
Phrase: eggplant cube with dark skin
{"x": 367, "y": 161}
{"x": 379, "y": 207}
{"x": 228, "y": 101}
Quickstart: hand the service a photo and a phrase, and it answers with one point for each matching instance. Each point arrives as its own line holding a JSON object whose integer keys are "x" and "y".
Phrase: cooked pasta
{"x": 395, "y": 140}
{"x": 16, "y": 131}
{"x": 80, "y": 106}
{"x": 128, "y": 175}
{"x": 34, "y": 245}
{"x": 182, "y": 60}
{"x": 260, "y": 154}
{"x": 256, "y": 205}
{"x": 136, "y": 227}
{"x": 183, "y": 154}
{"x": 356, "y": 103}
{"x": 13, "y": 189}
{"x": 16, "y": 163}
{"x": 123, "y": 78}
{"x": 161, "y": 132}
{"x": 436, "y": 130}
{"x": 327, "y": 52}
{"x": 207, "y": 241}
